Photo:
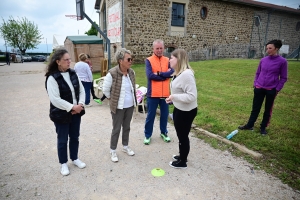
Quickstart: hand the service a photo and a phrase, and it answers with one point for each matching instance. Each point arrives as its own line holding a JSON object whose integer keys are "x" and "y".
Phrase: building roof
{"x": 245, "y": 2}
{"x": 85, "y": 39}
{"x": 265, "y": 5}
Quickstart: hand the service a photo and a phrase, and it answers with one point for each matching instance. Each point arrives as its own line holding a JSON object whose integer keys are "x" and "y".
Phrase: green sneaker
{"x": 165, "y": 137}
{"x": 98, "y": 101}
{"x": 147, "y": 140}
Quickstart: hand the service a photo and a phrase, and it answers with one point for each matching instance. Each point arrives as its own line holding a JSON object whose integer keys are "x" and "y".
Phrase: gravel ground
{"x": 30, "y": 169}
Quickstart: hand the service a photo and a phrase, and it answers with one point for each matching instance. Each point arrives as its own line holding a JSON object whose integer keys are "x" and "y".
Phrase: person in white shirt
{"x": 119, "y": 88}
{"x": 67, "y": 97}
{"x": 184, "y": 97}
{"x": 84, "y": 73}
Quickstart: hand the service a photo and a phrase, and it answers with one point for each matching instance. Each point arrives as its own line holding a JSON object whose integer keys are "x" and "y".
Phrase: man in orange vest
{"x": 158, "y": 73}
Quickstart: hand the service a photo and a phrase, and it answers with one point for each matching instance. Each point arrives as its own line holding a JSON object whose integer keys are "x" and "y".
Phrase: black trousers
{"x": 93, "y": 93}
{"x": 183, "y": 121}
{"x": 7, "y": 61}
{"x": 259, "y": 95}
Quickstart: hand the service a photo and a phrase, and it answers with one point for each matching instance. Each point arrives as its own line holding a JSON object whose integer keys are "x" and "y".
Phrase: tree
{"x": 92, "y": 31}
{"x": 20, "y": 33}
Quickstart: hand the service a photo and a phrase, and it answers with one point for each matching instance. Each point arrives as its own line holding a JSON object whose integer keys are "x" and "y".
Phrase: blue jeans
{"x": 65, "y": 131}
{"x": 87, "y": 88}
{"x": 152, "y": 104}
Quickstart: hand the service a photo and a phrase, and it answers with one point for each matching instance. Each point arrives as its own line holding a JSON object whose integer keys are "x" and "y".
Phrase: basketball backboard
{"x": 80, "y": 9}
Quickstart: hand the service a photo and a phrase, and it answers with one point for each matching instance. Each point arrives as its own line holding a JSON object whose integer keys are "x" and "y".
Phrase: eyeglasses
{"x": 67, "y": 59}
{"x": 129, "y": 59}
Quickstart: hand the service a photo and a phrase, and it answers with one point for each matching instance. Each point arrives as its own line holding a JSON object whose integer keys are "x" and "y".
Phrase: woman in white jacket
{"x": 119, "y": 89}
{"x": 184, "y": 97}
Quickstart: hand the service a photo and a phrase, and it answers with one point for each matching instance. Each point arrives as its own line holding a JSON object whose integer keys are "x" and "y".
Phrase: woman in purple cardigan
{"x": 270, "y": 78}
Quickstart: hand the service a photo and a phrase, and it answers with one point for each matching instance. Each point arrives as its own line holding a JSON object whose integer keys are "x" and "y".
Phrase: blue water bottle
{"x": 233, "y": 133}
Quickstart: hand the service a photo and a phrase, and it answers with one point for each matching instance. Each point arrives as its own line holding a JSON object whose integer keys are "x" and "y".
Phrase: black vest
{"x": 62, "y": 116}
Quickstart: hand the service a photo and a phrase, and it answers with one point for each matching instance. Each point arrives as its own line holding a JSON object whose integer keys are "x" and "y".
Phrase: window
{"x": 177, "y": 14}
{"x": 257, "y": 20}
{"x": 252, "y": 53}
{"x": 298, "y": 26}
{"x": 170, "y": 49}
{"x": 203, "y": 12}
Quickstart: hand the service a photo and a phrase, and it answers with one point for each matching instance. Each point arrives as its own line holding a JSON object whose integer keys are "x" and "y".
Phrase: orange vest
{"x": 159, "y": 88}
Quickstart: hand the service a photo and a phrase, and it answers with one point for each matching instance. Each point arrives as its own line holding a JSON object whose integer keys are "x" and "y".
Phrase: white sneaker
{"x": 128, "y": 151}
{"x": 79, "y": 164}
{"x": 88, "y": 105}
{"x": 64, "y": 169}
{"x": 114, "y": 157}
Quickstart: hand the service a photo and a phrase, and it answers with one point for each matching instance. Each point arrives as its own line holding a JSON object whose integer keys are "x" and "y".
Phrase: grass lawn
{"x": 225, "y": 92}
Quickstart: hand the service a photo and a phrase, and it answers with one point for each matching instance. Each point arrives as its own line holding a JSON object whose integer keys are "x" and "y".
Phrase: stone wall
{"x": 145, "y": 21}
{"x": 274, "y": 25}
{"x": 229, "y": 31}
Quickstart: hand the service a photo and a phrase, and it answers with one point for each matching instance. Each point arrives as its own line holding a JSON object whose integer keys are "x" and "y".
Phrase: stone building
{"x": 207, "y": 29}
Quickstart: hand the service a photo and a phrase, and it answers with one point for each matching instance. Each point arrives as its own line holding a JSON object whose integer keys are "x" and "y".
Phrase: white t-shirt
{"x": 83, "y": 71}
{"x": 128, "y": 100}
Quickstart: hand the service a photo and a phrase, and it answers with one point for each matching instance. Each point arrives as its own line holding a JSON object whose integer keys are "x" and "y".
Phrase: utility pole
{"x": 5, "y": 45}
{"x": 47, "y": 46}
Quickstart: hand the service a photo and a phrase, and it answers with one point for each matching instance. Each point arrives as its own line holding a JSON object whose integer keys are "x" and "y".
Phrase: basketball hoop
{"x": 73, "y": 17}
{"x": 79, "y": 9}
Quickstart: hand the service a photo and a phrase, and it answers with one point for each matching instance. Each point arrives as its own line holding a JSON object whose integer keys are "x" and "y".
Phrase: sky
{"x": 50, "y": 18}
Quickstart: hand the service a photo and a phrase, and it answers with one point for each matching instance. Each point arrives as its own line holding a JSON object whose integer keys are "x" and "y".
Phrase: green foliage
{"x": 225, "y": 92}
{"x": 92, "y": 30}
{"x": 20, "y": 33}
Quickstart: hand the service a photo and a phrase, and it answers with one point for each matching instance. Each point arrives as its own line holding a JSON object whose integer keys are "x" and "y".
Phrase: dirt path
{"x": 30, "y": 169}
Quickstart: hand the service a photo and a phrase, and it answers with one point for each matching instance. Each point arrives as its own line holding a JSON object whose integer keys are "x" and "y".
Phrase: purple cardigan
{"x": 271, "y": 73}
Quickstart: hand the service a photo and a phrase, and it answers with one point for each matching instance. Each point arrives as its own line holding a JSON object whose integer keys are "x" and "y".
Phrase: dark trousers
{"x": 183, "y": 121}
{"x": 152, "y": 104}
{"x": 7, "y": 61}
{"x": 259, "y": 95}
{"x": 93, "y": 93}
{"x": 65, "y": 131}
{"x": 87, "y": 88}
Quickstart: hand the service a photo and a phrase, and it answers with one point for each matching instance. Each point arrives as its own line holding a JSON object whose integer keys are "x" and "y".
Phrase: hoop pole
{"x": 101, "y": 33}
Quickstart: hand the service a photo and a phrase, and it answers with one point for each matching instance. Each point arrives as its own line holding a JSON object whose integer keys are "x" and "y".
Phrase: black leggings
{"x": 259, "y": 95}
{"x": 93, "y": 93}
{"x": 94, "y": 96}
{"x": 183, "y": 121}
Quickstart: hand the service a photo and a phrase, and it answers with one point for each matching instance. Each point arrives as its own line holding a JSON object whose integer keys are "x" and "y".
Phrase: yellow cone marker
{"x": 157, "y": 172}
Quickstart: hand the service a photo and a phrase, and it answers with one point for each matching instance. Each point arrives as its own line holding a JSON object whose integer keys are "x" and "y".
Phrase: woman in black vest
{"x": 67, "y": 97}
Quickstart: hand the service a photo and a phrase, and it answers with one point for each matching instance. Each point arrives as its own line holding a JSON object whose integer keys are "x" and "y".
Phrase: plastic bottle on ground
{"x": 233, "y": 133}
